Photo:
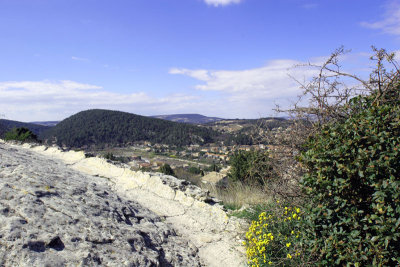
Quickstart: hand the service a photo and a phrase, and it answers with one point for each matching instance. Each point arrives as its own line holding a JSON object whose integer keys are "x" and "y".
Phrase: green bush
{"x": 166, "y": 169}
{"x": 275, "y": 237}
{"x": 250, "y": 167}
{"x": 353, "y": 184}
{"x": 194, "y": 170}
{"x": 109, "y": 156}
{"x": 20, "y": 134}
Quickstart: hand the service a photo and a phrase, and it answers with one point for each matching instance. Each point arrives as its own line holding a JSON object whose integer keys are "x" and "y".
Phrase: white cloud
{"x": 267, "y": 82}
{"x": 221, "y": 2}
{"x": 48, "y": 100}
{"x": 247, "y": 93}
{"x": 202, "y": 75}
{"x": 250, "y": 93}
{"x": 391, "y": 20}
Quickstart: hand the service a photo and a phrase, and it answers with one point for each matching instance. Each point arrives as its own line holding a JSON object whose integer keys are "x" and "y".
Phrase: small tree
{"x": 20, "y": 134}
{"x": 166, "y": 169}
{"x": 250, "y": 167}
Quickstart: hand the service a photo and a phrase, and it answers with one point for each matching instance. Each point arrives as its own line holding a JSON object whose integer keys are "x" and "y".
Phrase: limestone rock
{"x": 52, "y": 215}
{"x": 192, "y": 219}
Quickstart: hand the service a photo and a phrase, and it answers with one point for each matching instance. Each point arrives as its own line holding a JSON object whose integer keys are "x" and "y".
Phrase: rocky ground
{"x": 63, "y": 209}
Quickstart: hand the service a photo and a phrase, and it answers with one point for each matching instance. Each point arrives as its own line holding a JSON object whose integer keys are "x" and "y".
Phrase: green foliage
{"x": 213, "y": 168}
{"x": 251, "y": 213}
{"x": 250, "y": 167}
{"x": 110, "y": 128}
{"x": 109, "y": 156}
{"x": 166, "y": 169}
{"x": 145, "y": 169}
{"x": 353, "y": 185}
{"x": 232, "y": 206}
{"x": 8, "y": 125}
{"x": 240, "y": 139}
{"x": 275, "y": 237}
{"x": 20, "y": 134}
{"x": 194, "y": 170}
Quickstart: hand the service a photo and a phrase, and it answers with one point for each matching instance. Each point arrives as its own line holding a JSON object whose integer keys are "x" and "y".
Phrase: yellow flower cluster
{"x": 291, "y": 214}
{"x": 271, "y": 233}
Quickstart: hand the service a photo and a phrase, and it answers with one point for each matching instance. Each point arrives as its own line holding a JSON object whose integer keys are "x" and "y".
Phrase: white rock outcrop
{"x": 51, "y": 215}
{"x": 187, "y": 209}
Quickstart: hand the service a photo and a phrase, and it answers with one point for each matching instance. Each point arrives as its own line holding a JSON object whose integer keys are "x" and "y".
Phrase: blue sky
{"x": 226, "y": 58}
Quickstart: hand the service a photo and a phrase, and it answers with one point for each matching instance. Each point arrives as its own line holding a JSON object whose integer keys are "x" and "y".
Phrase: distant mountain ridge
{"x": 7, "y": 125}
{"x": 45, "y": 123}
{"x": 188, "y": 118}
{"x": 98, "y": 127}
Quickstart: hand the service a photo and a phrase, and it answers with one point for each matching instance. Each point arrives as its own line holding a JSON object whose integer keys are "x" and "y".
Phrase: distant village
{"x": 146, "y": 155}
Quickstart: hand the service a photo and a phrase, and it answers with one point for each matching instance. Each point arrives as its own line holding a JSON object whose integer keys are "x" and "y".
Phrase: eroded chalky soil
{"x": 51, "y": 215}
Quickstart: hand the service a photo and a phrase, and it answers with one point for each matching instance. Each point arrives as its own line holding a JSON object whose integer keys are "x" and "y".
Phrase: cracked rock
{"x": 51, "y": 215}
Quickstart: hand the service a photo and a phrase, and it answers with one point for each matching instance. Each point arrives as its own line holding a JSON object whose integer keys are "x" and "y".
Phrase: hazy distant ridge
{"x": 188, "y": 118}
{"x": 45, "y": 123}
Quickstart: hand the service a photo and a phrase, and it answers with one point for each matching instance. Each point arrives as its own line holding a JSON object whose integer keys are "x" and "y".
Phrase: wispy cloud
{"x": 269, "y": 81}
{"x": 252, "y": 92}
{"x": 79, "y": 58}
{"x": 221, "y": 2}
{"x": 391, "y": 20}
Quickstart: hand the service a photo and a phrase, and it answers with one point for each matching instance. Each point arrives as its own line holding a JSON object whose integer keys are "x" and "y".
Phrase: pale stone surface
{"x": 51, "y": 215}
{"x": 186, "y": 208}
{"x": 184, "y": 199}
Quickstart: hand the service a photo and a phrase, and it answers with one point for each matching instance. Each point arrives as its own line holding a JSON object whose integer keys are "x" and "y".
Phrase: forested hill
{"x": 7, "y": 125}
{"x": 105, "y": 127}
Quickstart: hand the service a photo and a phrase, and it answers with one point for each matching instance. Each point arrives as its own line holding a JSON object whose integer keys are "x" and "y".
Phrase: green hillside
{"x": 7, "y": 125}
{"x": 105, "y": 127}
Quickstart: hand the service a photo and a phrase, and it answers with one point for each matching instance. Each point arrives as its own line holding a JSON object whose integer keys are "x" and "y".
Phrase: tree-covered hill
{"x": 8, "y": 125}
{"x": 105, "y": 127}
